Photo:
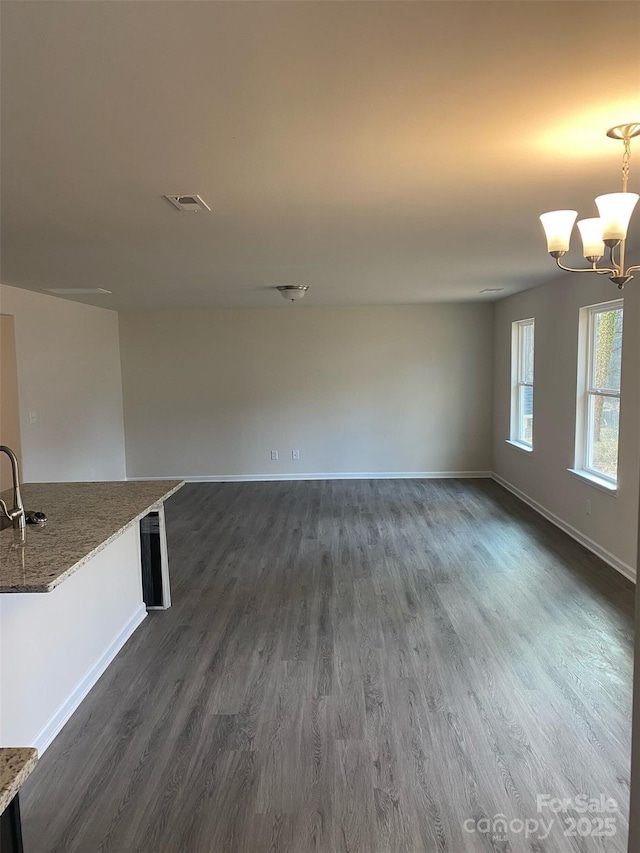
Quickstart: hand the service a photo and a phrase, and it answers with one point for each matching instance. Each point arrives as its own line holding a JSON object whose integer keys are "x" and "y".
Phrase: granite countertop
{"x": 82, "y": 519}
{"x": 16, "y": 764}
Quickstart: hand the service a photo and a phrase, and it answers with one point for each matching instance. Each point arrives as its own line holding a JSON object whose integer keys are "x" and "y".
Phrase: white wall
{"x": 634, "y": 798}
{"x": 355, "y": 389}
{"x": 542, "y": 475}
{"x": 68, "y": 359}
{"x": 9, "y": 404}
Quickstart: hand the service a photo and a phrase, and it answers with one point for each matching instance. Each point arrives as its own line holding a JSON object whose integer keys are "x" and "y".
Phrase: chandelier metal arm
{"x": 616, "y": 264}
{"x": 594, "y": 268}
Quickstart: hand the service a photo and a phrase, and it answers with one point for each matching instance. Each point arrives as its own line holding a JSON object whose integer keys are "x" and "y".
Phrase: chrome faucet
{"x": 16, "y": 514}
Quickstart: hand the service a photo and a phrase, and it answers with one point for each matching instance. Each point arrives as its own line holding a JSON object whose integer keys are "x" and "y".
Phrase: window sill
{"x": 525, "y": 448}
{"x": 597, "y": 482}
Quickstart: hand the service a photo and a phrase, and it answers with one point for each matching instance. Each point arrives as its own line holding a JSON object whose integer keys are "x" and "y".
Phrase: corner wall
{"x": 357, "y": 390}
{"x": 68, "y": 359}
{"x": 542, "y": 476}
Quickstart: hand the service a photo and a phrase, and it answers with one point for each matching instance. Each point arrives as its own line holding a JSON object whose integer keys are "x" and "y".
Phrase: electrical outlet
{"x": 32, "y": 417}
{"x": 588, "y": 506}
{"x": 295, "y": 455}
{"x": 274, "y": 455}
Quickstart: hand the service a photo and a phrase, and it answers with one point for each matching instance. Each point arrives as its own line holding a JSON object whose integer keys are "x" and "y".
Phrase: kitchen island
{"x": 70, "y": 597}
{"x": 16, "y": 765}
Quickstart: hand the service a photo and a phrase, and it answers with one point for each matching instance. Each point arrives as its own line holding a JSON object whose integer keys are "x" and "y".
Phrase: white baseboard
{"x": 359, "y": 475}
{"x": 628, "y": 571}
{"x": 61, "y": 716}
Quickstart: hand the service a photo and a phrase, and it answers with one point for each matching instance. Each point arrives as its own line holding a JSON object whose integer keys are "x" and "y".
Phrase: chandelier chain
{"x": 626, "y": 157}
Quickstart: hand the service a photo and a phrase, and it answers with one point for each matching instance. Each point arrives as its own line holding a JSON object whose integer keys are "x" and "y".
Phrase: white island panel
{"x": 54, "y": 647}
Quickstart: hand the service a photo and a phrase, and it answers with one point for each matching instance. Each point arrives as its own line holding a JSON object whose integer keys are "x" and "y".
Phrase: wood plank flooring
{"x": 352, "y": 667}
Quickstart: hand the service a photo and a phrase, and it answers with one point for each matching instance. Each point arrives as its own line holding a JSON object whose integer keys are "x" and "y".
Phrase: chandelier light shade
{"x": 592, "y": 242}
{"x": 615, "y": 210}
{"x": 608, "y": 231}
{"x": 558, "y": 225}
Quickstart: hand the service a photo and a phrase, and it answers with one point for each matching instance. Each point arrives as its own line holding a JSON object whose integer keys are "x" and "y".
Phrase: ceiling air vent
{"x": 70, "y": 291}
{"x": 188, "y": 203}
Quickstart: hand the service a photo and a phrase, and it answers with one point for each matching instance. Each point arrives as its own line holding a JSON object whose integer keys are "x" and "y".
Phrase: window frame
{"x": 588, "y": 393}
{"x": 518, "y": 383}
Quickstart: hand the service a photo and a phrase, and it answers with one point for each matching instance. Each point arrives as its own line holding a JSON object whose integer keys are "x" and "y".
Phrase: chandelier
{"x": 608, "y": 230}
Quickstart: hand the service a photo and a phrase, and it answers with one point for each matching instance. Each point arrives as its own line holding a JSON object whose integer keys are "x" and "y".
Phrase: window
{"x": 522, "y": 358}
{"x": 598, "y": 418}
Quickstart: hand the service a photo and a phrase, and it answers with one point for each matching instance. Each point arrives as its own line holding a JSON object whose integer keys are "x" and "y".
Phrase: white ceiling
{"x": 378, "y": 152}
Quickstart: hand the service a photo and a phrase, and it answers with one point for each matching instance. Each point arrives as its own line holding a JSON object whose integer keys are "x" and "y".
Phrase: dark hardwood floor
{"x": 353, "y": 667}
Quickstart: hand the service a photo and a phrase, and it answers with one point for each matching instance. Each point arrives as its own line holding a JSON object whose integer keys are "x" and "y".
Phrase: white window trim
{"x": 519, "y": 445}
{"x": 516, "y": 384}
{"x": 586, "y": 393}
{"x": 606, "y": 486}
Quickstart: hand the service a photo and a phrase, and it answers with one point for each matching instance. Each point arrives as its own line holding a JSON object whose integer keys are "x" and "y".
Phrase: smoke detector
{"x": 188, "y": 203}
{"x": 293, "y": 292}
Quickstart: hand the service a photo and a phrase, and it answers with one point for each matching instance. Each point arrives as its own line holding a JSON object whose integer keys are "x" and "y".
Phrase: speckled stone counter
{"x": 83, "y": 518}
{"x": 16, "y": 764}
